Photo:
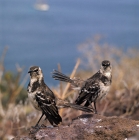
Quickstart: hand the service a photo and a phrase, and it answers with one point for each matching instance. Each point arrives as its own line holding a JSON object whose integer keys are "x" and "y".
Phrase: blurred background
{"x": 46, "y": 36}
{"x": 54, "y": 34}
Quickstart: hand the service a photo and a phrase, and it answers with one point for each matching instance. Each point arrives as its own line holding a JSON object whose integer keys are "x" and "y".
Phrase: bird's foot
{"x": 43, "y": 126}
{"x": 34, "y": 129}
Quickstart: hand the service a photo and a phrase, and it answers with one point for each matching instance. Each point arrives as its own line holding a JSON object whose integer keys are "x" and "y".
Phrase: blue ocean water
{"x": 46, "y": 38}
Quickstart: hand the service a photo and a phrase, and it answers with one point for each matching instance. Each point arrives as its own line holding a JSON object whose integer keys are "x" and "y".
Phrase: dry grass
{"x": 16, "y": 116}
{"x": 123, "y": 98}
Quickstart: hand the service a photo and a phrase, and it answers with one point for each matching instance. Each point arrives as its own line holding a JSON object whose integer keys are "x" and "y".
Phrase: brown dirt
{"x": 88, "y": 127}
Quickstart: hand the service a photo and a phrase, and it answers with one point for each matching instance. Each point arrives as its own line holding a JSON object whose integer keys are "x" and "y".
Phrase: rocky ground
{"x": 89, "y": 127}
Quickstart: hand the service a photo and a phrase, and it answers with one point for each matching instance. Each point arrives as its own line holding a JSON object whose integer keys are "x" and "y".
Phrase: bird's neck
{"x": 36, "y": 80}
{"x": 106, "y": 73}
{"x": 33, "y": 80}
{"x": 35, "y": 84}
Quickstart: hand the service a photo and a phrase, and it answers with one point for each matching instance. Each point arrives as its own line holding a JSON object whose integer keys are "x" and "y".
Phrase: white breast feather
{"x": 104, "y": 91}
{"x": 107, "y": 74}
{"x": 31, "y": 97}
{"x": 32, "y": 80}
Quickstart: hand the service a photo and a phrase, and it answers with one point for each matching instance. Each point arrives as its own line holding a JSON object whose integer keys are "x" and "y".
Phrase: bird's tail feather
{"x": 52, "y": 115}
{"x": 65, "y": 104}
{"x": 79, "y": 107}
{"x": 61, "y": 77}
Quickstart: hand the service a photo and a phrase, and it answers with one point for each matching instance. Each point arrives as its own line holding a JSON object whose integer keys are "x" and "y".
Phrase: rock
{"x": 89, "y": 127}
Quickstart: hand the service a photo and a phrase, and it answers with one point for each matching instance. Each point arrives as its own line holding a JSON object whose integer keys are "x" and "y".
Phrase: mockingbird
{"x": 92, "y": 89}
{"x": 43, "y": 99}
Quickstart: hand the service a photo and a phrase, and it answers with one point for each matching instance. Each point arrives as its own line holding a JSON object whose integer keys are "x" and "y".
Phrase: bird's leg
{"x": 42, "y": 125}
{"x": 39, "y": 120}
{"x": 36, "y": 127}
{"x": 91, "y": 104}
{"x": 95, "y": 107}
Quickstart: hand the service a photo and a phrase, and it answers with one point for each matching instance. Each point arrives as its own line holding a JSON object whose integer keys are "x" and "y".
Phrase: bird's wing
{"x": 96, "y": 76}
{"x": 49, "y": 108}
{"x": 89, "y": 92}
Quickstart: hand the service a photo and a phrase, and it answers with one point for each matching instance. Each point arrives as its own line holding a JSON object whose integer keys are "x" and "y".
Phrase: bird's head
{"x": 35, "y": 73}
{"x": 106, "y": 67}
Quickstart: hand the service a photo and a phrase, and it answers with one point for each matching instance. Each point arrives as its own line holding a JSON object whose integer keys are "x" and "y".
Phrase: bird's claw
{"x": 34, "y": 129}
{"x": 43, "y": 126}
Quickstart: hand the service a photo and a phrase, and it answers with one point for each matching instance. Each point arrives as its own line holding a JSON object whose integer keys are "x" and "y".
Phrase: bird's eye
{"x": 35, "y": 70}
{"x": 105, "y": 63}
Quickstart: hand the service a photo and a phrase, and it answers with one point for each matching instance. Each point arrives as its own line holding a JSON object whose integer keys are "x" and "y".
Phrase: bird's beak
{"x": 30, "y": 71}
